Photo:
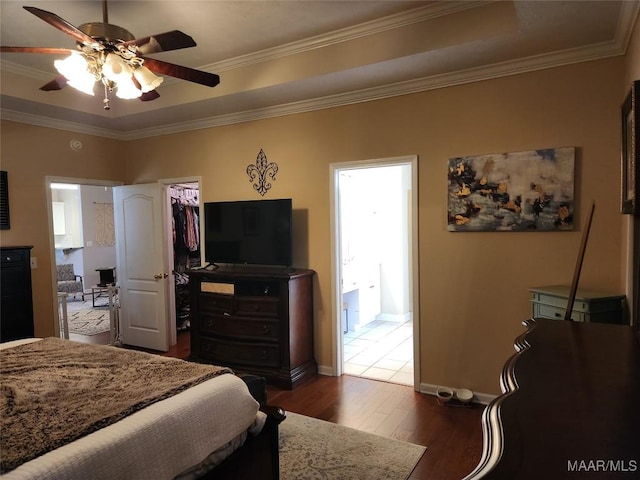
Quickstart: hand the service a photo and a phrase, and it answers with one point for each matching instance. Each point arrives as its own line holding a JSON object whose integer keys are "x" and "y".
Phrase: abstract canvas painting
{"x": 519, "y": 191}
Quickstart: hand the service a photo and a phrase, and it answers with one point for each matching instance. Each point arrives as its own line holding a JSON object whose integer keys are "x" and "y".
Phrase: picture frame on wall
{"x": 630, "y": 164}
{"x": 517, "y": 191}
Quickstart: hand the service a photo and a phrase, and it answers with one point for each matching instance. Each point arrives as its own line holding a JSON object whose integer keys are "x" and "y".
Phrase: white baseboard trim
{"x": 426, "y": 388}
{"x": 481, "y": 398}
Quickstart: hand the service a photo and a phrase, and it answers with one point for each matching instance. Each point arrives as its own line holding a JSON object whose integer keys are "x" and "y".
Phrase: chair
{"x": 68, "y": 281}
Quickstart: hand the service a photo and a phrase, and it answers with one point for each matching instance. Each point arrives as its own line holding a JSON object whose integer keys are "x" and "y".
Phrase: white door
{"x": 141, "y": 270}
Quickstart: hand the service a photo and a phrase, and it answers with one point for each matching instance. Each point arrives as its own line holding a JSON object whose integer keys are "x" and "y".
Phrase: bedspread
{"x": 55, "y": 391}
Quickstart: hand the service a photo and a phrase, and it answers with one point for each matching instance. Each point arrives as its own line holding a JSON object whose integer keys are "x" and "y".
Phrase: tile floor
{"x": 381, "y": 350}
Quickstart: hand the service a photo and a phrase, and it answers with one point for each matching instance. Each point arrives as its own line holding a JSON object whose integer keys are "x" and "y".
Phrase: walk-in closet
{"x": 186, "y": 244}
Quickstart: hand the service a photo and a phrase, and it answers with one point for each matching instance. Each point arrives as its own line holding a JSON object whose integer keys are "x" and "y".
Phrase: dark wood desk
{"x": 570, "y": 408}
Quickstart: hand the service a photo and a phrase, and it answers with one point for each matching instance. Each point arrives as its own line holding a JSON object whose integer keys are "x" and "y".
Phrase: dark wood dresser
{"x": 570, "y": 408}
{"x": 16, "y": 308}
{"x": 258, "y": 321}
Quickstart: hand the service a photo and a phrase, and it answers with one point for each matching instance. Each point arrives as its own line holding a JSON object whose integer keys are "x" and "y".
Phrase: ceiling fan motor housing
{"x": 106, "y": 31}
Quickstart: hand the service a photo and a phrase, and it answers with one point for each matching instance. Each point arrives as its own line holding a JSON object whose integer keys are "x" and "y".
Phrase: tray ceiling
{"x": 281, "y": 57}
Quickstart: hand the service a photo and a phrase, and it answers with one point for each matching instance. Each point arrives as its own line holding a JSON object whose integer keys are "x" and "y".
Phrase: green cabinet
{"x": 589, "y": 306}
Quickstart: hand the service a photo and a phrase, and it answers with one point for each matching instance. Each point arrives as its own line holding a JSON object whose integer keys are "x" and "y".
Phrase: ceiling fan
{"x": 111, "y": 55}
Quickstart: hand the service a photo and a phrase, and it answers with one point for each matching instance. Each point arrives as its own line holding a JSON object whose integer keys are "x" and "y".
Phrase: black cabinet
{"x": 16, "y": 312}
{"x": 255, "y": 321}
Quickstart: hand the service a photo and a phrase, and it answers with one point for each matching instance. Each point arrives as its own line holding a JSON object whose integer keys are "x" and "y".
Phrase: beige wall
{"x": 29, "y": 154}
{"x": 473, "y": 286}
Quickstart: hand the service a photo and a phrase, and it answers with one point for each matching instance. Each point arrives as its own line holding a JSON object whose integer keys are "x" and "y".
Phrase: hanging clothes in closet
{"x": 186, "y": 245}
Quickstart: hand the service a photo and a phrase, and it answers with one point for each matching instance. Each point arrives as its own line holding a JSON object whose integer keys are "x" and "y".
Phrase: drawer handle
{"x": 265, "y": 355}
{"x": 558, "y": 315}
{"x": 210, "y": 322}
{"x": 266, "y": 330}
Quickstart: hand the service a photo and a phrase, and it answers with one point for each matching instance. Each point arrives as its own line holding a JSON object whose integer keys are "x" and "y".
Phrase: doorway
{"x": 375, "y": 233}
{"x": 144, "y": 216}
{"x": 82, "y": 244}
{"x": 183, "y": 248}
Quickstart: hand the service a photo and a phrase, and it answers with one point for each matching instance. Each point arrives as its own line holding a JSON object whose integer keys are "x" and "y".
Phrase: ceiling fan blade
{"x": 57, "y": 83}
{"x": 147, "y": 97}
{"x": 184, "y": 73}
{"x": 162, "y": 42}
{"x": 48, "y": 50}
{"x": 63, "y": 25}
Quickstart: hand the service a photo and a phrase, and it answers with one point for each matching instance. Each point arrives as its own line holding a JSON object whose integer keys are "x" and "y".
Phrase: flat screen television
{"x": 249, "y": 232}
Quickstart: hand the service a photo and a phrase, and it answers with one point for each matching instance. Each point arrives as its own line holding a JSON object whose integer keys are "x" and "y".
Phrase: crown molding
{"x": 503, "y": 69}
{"x": 40, "y": 121}
{"x": 629, "y": 12}
{"x": 538, "y": 62}
{"x": 372, "y": 27}
{"x": 12, "y": 67}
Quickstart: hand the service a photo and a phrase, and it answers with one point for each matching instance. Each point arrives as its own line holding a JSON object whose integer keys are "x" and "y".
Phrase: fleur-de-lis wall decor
{"x": 262, "y": 173}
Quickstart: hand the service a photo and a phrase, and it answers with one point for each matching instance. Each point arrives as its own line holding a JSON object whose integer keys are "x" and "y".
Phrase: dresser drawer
{"x": 241, "y": 328}
{"x": 212, "y": 302}
{"x": 267, "y": 306}
{"x": 240, "y": 353}
{"x": 560, "y": 302}
{"x": 548, "y": 311}
{"x": 10, "y": 257}
{"x": 589, "y": 305}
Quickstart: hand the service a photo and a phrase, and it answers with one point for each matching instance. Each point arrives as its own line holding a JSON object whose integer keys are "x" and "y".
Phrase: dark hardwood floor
{"x": 452, "y": 435}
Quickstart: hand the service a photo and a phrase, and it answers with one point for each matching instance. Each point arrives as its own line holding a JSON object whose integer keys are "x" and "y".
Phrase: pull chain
{"x": 105, "y": 101}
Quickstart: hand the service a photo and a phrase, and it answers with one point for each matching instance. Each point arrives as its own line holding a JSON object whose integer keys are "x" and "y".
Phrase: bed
{"x": 76, "y": 411}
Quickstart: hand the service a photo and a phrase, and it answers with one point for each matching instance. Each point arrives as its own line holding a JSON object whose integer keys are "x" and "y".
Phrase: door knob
{"x": 157, "y": 276}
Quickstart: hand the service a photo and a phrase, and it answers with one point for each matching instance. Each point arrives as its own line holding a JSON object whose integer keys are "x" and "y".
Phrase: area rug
{"x": 312, "y": 449}
{"x": 84, "y": 319}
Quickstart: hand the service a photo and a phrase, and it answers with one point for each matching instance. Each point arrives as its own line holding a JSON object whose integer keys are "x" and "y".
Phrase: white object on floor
{"x": 62, "y": 314}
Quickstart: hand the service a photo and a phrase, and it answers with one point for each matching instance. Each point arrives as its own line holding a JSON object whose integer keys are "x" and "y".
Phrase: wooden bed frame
{"x": 259, "y": 457}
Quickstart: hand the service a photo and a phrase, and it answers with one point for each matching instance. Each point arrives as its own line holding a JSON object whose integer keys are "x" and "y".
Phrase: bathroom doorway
{"x": 375, "y": 231}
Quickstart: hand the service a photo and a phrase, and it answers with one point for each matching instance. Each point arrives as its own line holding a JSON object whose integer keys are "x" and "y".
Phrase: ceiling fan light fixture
{"x": 111, "y": 55}
{"x": 147, "y": 79}
{"x": 127, "y": 90}
{"x": 116, "y": 69}
{"x": 75, "y": 69}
